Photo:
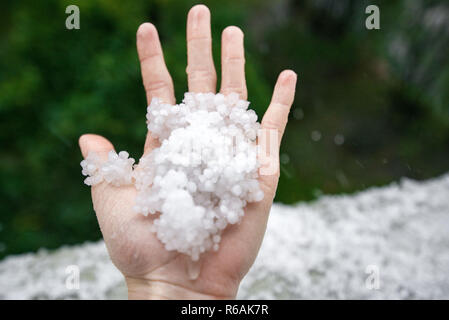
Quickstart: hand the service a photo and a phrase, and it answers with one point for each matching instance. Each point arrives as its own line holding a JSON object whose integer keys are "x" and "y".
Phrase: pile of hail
{"x": 201, "y": 176}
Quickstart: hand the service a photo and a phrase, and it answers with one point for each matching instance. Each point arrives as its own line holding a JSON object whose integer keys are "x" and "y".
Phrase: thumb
{"x": 95, "y": 143}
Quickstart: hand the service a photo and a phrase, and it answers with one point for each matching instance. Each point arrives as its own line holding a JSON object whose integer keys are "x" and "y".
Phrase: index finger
{"x": 156, "y": 78}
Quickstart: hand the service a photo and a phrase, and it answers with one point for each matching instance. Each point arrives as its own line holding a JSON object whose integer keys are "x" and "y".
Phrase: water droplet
{"x": 285, "y": 158}
{"x": 342, "y": 179}
{"x": 317, "y": 193}
{"x": 193, "y": 268}
{"x": 315, "y": 135}
{"x": 298, "y": 114}
{"x": 359, "y": 164}
{"x": 339, "y": 139}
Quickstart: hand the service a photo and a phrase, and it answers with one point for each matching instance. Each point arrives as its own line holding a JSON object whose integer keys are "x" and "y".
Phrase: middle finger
{"x": 201, "y": 73}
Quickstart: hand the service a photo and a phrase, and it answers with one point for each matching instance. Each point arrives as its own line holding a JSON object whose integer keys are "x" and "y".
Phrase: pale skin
{"x": 150, "y": 271}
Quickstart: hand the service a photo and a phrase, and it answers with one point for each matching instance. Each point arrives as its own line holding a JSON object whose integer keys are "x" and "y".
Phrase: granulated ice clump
{"x": 117, "y": 170}
{"x": 200, "y": 178}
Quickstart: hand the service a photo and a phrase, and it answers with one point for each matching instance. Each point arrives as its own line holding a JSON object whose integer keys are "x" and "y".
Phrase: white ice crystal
{"x": 91, "y": 166}
{"x": 117, "y": 170}
{"x": 200, "y": 178}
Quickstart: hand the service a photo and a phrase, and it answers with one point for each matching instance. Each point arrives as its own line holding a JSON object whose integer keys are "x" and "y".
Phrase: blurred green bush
{"x": 371, "y": 106}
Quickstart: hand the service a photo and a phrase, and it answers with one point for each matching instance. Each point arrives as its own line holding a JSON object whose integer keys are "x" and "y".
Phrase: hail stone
{"x": 201, "y": 176}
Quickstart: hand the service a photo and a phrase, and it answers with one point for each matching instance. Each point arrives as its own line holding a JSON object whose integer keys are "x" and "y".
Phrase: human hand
{"x": 150, "y": 270}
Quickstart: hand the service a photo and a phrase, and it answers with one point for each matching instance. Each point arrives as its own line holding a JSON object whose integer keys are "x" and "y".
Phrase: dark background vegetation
{"x": 385, "y": 91}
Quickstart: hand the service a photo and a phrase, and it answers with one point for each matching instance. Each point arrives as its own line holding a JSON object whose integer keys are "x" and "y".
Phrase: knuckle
{"x": 152, "y": 86}
{"x": 233, "y": 88}
{"x": 198, "y": 43}
{"x": 234, "y": 59}
{"x": 269, "y": 185}
{"x": 149, "y": 58}
{"x": 201, "y": 75}
{"x": 273, "y": 124}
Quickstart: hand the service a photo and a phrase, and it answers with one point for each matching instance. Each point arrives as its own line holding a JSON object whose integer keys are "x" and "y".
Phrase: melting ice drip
{"x": 201, "y": 176}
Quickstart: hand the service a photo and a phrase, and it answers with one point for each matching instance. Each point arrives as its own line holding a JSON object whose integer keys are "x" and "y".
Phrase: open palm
{"x": 150, "y": 270}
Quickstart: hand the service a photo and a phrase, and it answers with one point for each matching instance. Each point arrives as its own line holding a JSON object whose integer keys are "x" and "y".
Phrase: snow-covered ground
{"x": 396, "y": 237}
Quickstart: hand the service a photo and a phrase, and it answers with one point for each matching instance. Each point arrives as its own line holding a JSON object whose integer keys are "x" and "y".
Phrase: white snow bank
{"x": 317, "y": 250}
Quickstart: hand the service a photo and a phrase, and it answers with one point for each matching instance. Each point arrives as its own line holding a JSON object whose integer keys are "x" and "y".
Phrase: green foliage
{"x": 386, "y": 91}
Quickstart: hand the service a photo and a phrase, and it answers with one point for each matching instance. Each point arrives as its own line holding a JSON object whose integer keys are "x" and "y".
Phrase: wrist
{"x": 144, "y": 289}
